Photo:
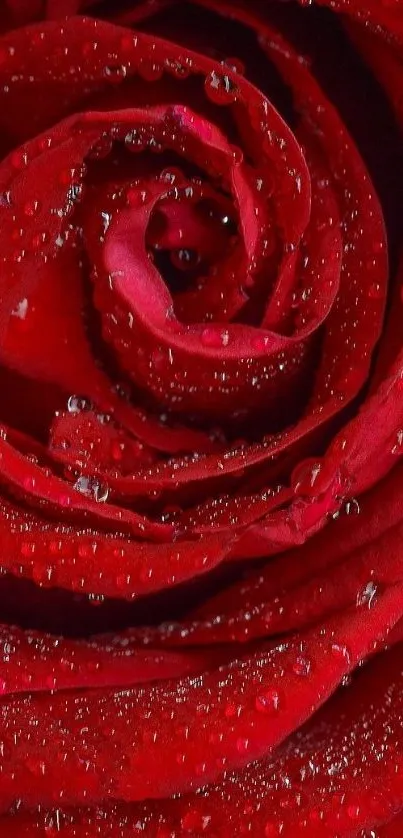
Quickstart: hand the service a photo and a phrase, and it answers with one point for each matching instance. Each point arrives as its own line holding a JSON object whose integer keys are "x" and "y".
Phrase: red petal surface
{"x": 201, "y": 418}
{"x": 307, "y": 788}
{"x": 126, "y": 764}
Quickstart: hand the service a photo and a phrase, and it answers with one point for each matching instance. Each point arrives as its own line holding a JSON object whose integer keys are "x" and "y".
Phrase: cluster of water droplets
{"x": 87, "y": 485}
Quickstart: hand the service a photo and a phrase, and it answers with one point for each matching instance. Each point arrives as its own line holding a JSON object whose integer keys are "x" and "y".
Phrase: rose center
{"x": 190, "y": 234}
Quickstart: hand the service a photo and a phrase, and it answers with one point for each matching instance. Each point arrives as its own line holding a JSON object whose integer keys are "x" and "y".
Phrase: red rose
{"x": 202, "y": 419}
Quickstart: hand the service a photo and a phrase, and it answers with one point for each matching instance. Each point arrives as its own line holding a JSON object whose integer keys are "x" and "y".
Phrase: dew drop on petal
{"x": 137, "y": 197}
{"x": 19, "y": 159}
{"x": 353, "y": 811}
{"x": 375, "y": 291}
{"x": 32, "y": 208}
{"x": 237, "y": 157}
{"x": 261, "y": 343}
{"x": 150, "y": 70}
{"x": 305, "y": 478}
{"x": 177, "y": 67}
{"x": 78, "y": 404}
{"x": 351, "y": 507}
{"x": 27, "y": 548}
{"x": 341, "y": 651}
{"x": 194, "y": 822}
{"x": 39, "y": 239}
{"x": 302, "y": 666}
{"x": 101, "y": 148}
{"x": 135, "y": 141}
{"x": 268, "y": 702}
{"x": 242, "y": 745}
{"x": 170, "y": 175}
{"x": 185, "y": 259}
{"x": 215, "y": 338}
{"x": 398, "y": 444}
{"x": 5, "y": 199}
{"x": 220, "y": 88}
{"x": 21, "y": 309}
{"x": 368, "y": 594}
{"x": 29, "y": 484}
{"x": 92, "y": 488}
{"x": 117, "y": 450}
{"x": 234, "y": 64}
{"x": 96, "y": 599}
{"x": 115, "y": 73}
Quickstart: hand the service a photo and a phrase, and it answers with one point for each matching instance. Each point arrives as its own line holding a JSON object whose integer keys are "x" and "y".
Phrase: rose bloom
{"x": 201, "y": 419}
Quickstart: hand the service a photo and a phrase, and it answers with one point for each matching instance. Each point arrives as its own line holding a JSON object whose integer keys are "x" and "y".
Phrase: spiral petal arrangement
{"x": 201, "y": 420}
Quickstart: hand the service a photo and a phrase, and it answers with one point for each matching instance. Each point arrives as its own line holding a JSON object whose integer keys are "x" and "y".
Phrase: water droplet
{"x": 135, "y": 141}
{"x": 154, "y": 145}
{"x": 398, "y": 445}
{"x": 341, "y": 651}
{"x": 19, "y": 159}
{"x": 5, "y": 199}
{"x": 368, "y": 594}
{"x": 215, "y": 338}
{"x": 29, "y": 484}
{"x": 195, "y": 821}
{"x": 101, "y": 148}
{"x": 92, "y": 488}
{"x": 305, "y": 478}
{"x": 136, "y": 197}
{"x": 261, "y": 343}
{"x": 242, "y": 745}
{"x": 35, "y": 766}
{"x": 45, "y": 143}
{"x": 78, "y": 404}
{"x": 227, "y": 220}
{"x": 74, "y": 192}
{"x": 106, "y": 220}
{"x": 185, "y": 259}
{"x": 150, "y": 70}
{"x": 123, "y": 390}
{"x": 96, "y": 599}
{"x": 268, "y": 702}
{"x": 351, "y": 507}
{"x": 117, "y": 450}
{"x": 6, "y": 53}
{"x": 376, "y": 290}
{"x": 21, "y": 309}
{"x": 170, "y": 175}
{"x": 221, "y": 88}
{"x": 115, "y": 73}
{"x": 39, "y": 239}
{"x": 32, "y": 208}
{"x": 237, "y": 156}
{"x": 177, "y": 68}
{"x": 302, "y": 666}
{"x": 235, "y": 65}
{"x": 27, "y": 548}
